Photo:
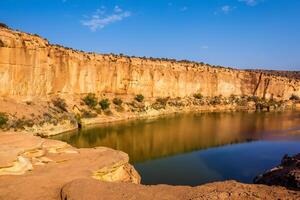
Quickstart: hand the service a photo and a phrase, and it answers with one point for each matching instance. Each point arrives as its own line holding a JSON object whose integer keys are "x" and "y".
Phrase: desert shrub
{"x": 90, "y": 100}
{"x": 160, "y": 103}
{"x": 98, "y": 110}
{"x": 295, "y": 97}
{"x": 233, "y": 98}
{"x": 3, "y": 119}
{"x": 253, "y": 98}
{"x": 137, "y": 106}
{"x": 104, "y": 104}
{"x": 88, "y": 114}
{"x": 216, "y": 100}
{"x": 198, "y": 96}
{"x": 108, "y": 112}
{"x": 139, "y": 98}
{"x": 117, "y": 101}
{"x": 60, "y": 103}
{"x": 120, "y": 108}
{"x": 175, "y": 102}
{"x": 3, "y": 25}
{"x": 242, "y": 102}
{"x": 21, "y": 123}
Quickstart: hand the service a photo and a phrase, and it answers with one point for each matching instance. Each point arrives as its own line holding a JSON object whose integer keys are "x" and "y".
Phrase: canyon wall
{"x": 32, "y": 68}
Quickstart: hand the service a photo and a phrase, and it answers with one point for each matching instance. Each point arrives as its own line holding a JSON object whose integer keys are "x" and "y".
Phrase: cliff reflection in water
{"x": 161, "y": 137}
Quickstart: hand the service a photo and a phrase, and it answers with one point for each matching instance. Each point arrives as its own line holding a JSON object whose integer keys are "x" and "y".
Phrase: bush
{"x": 1, "y": 43}
{"x": 233, "y": 98}
{"x": 3, "y": 25}
{"x": 117, "y": 101}
{"x": 295, "y": 97}
{"x": 160, "y": 103}
{"x": 60, "y": 103}
{"x": 139, "y": 98}
{"x": 216, "y": 100}
{"x": 90, "y": 100}
{"x": 3, "y": 119}
{"x": 253, "y": 98}
{"x": 22, "y": 123}
{"x": 104, "y": 103}
{"x": 198, "y": 96}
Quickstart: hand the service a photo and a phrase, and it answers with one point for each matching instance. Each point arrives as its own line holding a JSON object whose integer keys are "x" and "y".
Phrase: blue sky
{"x": 236, "y": 33}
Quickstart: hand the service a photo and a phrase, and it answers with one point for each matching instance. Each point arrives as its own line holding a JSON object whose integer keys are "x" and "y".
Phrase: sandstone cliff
{"x": 32, "y": 68}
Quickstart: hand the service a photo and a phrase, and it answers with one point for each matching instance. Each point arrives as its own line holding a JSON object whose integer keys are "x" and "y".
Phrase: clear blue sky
{"x": 236, "y": 33}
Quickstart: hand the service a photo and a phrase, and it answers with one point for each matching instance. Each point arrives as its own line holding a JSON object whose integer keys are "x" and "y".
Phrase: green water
{"x": 193, "y": 149}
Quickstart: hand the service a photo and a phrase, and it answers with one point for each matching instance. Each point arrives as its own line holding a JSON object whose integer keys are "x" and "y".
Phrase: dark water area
{"x": 192, "y": 149}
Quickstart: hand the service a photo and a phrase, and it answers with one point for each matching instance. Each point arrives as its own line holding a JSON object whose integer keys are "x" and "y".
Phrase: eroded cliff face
{"x": 32, "y": 68}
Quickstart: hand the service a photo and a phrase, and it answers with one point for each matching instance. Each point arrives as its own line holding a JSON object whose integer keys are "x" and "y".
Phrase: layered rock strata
{"x": 32, "y": 68}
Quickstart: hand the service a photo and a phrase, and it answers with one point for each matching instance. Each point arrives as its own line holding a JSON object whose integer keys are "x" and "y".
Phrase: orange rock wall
{"x": 30, "y": 68}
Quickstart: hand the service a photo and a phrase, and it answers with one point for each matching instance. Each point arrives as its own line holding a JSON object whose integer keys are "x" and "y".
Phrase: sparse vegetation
{"x": 117, "y": 101}
{"x": 104, "y": 103}
{"x": 139, "y": 98}
{"x": 198, "y": 96}
{"x": 160, "y": 103}
{"x": 175, "y": 102}
{"x": 60, "y": 103}
{"x": 91, "y": 100}
{"x": 216, "y": 100}
{"x": 3, "y": 25}
{"x": 3, "y": 119}
{"x": 294, "y": 97}
{"x": 253, "y": 98}
{"x": 137, "y": 106}
{"x": 88, "y": 114}
{"x": 22, "y": 123}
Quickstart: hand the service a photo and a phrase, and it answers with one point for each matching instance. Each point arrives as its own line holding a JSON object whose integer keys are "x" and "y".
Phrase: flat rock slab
{"x": 55, "y": 163}
{"x": 94, "y": 190}
{"x": 14, "y": 144}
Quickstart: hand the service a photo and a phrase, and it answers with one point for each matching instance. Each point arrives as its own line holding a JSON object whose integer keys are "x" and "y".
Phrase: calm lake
{"x": 192, "y": 149}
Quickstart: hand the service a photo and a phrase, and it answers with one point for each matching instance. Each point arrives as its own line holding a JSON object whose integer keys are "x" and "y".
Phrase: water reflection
{"x": 162, "y": 137}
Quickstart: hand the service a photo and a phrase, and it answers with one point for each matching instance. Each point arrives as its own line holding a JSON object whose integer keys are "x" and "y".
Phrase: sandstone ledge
{"x": 45, "y": 165}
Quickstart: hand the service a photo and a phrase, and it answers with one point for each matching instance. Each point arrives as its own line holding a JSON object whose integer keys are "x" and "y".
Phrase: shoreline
{"x": 60, "y": 157}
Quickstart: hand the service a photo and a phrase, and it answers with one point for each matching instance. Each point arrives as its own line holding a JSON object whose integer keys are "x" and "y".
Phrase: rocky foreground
{"x": 35, "y": 168}
{"x": 287, "y": 174}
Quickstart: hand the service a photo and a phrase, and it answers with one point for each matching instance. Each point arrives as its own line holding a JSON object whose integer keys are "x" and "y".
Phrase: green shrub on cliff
{"x": 90, "y": 100}
{"x": 3, "y": 119}
{"x": 139, "y": 98}
{"x": 104, "y": 103}
{"x": 117, "y": 101}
